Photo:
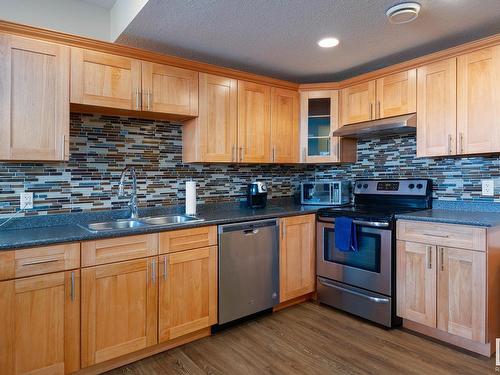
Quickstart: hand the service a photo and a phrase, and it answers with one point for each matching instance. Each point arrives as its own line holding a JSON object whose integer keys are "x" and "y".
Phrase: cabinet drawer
{"x": 187, "y": 239}
{"x": 450, "y": 235}
{"x": 119, "y": 249}
{"x": 39, "y": 260}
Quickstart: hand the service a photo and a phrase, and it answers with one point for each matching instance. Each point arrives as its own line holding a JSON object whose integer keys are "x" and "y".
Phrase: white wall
{"x": 70, "y": 16}
{"x": 122, "y": 13}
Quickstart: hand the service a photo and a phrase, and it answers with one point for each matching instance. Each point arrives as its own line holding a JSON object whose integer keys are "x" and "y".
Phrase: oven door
{"x": 369, "y": 268}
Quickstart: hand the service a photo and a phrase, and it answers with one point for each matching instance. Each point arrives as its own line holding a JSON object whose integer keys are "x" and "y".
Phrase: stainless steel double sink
{"x": 122, "y": 224}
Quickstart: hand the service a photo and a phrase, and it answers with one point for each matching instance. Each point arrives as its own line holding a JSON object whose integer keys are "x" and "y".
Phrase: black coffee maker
{"x": 256, "y": 195}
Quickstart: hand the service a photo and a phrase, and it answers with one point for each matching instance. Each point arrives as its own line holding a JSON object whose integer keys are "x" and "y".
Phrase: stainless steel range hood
{"x": 391, "y": 125}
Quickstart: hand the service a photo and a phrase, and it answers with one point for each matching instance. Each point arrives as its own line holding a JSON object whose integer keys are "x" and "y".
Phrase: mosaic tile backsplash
{"x": 101, "y": 146}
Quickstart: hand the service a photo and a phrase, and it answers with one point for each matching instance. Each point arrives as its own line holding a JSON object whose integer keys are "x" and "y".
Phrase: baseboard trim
{"x": 484, "y": 349}
{"x": 294, "y": 301}
{"x": 141, "y": 354}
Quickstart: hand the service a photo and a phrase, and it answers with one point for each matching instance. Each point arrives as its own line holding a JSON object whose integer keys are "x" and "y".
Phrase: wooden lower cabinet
{"x": 119, "y": 309}
{"x": 40, "y": 324}
{"x": 188, "y": 292}
{"x": 297, "y": 256}
{"x": 462, "y": 293}
{"x": 416, "y": 282}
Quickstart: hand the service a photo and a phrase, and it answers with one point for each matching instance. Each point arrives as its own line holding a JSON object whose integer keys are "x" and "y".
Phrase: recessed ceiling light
{"x": 328, "y": 42}
{"x": 403, "y": 12}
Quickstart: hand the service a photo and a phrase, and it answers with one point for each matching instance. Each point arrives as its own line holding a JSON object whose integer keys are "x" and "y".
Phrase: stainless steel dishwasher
{"x": 248, "y": 268}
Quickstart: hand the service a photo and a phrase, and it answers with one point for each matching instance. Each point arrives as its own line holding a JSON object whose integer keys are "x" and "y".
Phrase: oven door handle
{"x": 375, "y": 224}
{"x": 373, "y": 299}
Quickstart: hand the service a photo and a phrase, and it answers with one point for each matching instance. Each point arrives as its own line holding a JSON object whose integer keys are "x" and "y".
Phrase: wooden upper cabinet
{"x": 34, "y": 100}
{"x": 254, "y": 122}
{"x": 358, "y": 103}
{"x": 416, "y": 282}
{"x": 462, "y": 293}
{"x": 105, "y": 80}
{"x": 119, "y": 309}
{"x": 297, "y": 256}
{"x": 436, "y": 109}
{"x": 188, "y": 292}
{"x": 213, "y": 136}
{"x": 478, "y": 101}
{"x": 40, "y": 324}
{"x": 167, "y": 89}
{"x": 397, "y": 94}
{"x": 284, "y": 125}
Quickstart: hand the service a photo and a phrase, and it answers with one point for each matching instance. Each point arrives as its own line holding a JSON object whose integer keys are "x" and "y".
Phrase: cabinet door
{"x": 478, "y": 101}
{"x": 284, "y": 125}
{"x": 168, "y": 89}
{"x": 34, "y": 100}
{"x": 416, "y": 282}
{"x": 119, "y": 309}
{"x": 254, "y": 122}
{"x": 105, "y": 80}
{"x": 397, "y": 94}
{"x": 40, "y": 324}
{"x": 213, "y": 136}
{"x": 297, "y": 256}
{"x": 462, "y": 293}
{"x": 188, "y": 292}
{"x": 358, "y": 103}
{"x": 436, "y": 108}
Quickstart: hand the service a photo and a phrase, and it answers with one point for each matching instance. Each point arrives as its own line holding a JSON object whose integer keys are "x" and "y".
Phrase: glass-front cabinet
{"x": 319, "y": 118}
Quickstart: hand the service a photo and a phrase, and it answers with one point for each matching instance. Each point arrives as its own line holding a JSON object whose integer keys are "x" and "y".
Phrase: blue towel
{"x": 345, "y": 234}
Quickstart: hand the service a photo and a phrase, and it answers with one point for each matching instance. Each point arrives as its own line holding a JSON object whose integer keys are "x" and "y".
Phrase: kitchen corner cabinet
{"x": 40, "y": 324}
{"x": 297, "y": 256}
{"x": 119, "y": 309}
{"x": 388, "y": 96}
{"x": 106, "y": 80}
{"x": 254, "y": 122}
{"x": 442, "y": 282}
{"x": 212, "y": 137}
{"x": 319, "y": 118}
{"x": 284, "y": 126}
{"x": 34, "y": 100}
{"x": 187, "y": 292}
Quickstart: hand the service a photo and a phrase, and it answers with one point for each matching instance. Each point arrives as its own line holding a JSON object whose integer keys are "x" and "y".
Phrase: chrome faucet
{"x": 132, "y": 204}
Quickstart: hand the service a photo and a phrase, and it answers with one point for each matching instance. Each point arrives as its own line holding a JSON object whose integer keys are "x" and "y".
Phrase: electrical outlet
{"x": 26, "y": 201}
{"x": 488, "y": 188}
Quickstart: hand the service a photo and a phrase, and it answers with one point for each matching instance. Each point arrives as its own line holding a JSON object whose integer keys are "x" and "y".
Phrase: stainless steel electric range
{"x": 363, "y": 282}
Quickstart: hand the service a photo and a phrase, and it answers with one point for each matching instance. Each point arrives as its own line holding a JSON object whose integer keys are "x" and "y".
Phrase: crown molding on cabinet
{"x": 136, "y": 53}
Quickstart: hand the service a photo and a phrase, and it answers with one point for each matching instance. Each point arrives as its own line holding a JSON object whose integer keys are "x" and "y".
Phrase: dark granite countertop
{"x": 485, "y": 214}
{"x": 53, "y": 229}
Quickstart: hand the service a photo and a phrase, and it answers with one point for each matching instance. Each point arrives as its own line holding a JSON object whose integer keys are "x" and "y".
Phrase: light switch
{"x": 26, "y": 201}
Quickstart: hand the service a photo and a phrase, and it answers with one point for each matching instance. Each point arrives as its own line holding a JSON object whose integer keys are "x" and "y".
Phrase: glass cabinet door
{"x": 318, "y": 120}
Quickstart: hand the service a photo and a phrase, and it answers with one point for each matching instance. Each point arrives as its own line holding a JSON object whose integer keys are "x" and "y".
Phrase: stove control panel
{"x": 392, "y": 187}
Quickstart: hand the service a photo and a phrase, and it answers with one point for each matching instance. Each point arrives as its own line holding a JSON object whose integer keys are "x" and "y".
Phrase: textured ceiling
{"x": 278, "y": 37}
{"x": 107, "y": 4}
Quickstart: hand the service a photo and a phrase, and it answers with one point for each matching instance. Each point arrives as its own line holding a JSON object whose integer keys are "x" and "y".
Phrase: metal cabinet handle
{"x": 441, "y": 251}
{"x": 429, "y": 257}
{"x": 165, "y": 268}
{"x": 371, "y": 111}
{"x": 241, "y": 153}
{"x": 72, "y": 291}
{"x": 283, "y": 230}
{"x": 153, "y": 271}
{"x": 436, "y": 235}
{"x": 379, "y": 114}
{"x": 65, "y": 150}
{"x": 461, "y": 143}
{"x": 274, "y": 153}
{"x": 304, "y": 155}
{"x": 137, "y": 99}
{"x": 450, "y": 151}
{"x": 43, "y": 261}
{"x": 148, "y": 96}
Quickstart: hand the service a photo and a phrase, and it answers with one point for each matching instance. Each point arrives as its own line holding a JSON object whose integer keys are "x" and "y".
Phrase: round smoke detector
{"x": 403, "y": 12}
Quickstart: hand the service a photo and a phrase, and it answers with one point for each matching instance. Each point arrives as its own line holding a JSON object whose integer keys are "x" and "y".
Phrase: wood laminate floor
{"x": 311, "y": 339}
